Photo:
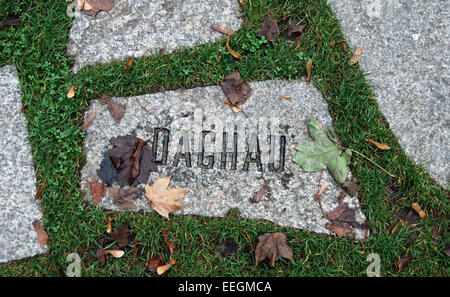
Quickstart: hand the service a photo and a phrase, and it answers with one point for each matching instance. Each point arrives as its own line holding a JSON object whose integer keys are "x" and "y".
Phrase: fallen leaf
{"x": 296, "y": 28}
{"x": 122, "y": 235}
{"x": 98, "y": 191}
{"x": 341, "y": 231}
{"x": 114, "y": 253}
{"x": 354, "y": 59}
{"x": 164, "y": 200}
{"x": 322, "y": 153}
{"x": 321, "y": 190}
{"x": 269, "y": 29}
{"x": 232, "y": 52}
{"x": 109, "y": 228}
{"x": 92, "y": 7}
{"x": 42, "y": 235}
{"x": 418, "y": 209}
{"x": 272, "y": 246}
{"x": 124, "y": 198}
{"x": 71, "y": 92}
{"x": 162, "y": 269}
{"x": 129, "y": 162}
{"x": 11, "y": 20}
{"x": 167, "y": 241}
{"x": 262, "y": 191}
{"x": 154, "y": 263}
{"x": 378, "y": 145}
{"x": 223, "y": 30}
{"x": 308, "y": 70}
{"x": 129, "y": 63}
{"x": 236, "y": 91}
{"x": 41, "y": 191}
{"x": 117, "y": 110}
{"x": 88, "y": 120}
{"x": 100, "y": 255}
{"x": 395, "y": 228}
{"x": 285, "y": 97}
{"x": 340, "y": 42}
{"x": 351, "y": 187}
{"x": 336, "y": 213}
{"x": 401, "y": 263}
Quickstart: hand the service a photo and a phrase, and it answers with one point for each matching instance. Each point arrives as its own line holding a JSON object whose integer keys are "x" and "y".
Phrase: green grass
{"x": 38, "y": 48}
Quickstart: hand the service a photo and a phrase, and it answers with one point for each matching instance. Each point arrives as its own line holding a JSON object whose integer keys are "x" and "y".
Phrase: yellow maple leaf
{"x": 164, "y": 200}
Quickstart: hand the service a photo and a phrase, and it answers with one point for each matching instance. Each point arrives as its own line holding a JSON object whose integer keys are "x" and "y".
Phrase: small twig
{"x": 373, "y": 162}
{"x": 142, "y": 106}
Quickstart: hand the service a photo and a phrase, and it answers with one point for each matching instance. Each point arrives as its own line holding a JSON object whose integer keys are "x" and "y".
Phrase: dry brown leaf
{"x": 308, "y": 70}
{"x": 164, "y": 200}
{"x": 114, "y": 253}
{"x": 272, "y": 246}
{"x": 71, "y": 92}
{"x": 285, "y": 97}
{"x": 42, "y": 235}
{"x": 269, "y": 29}
{"x": 322, "y": 189}
{"x": 355, "y": 58}
{"x": 378, "y": 145}
{"x": 338, "y": 230}
{"x": 117, "y": 110}
{"x": 351, "y": 187}
{"x": 262, "y": 191}
{"x": 92, "y": 7}
{"x": 418, "y": 209}
{"x": 122, "y": 235}
{"x": 223, "y": 30}
{"x": 129, "y": 63}
{"x": 401, "y": 263}
{"x": 232, "y": 52}
{"x": 88, "y": 120}
{"x": 236, "y": 91}
{"x": 395, "y": 228}
{"x": 80, "y": 4}
{"x": 98, "y": 191}
{"x": 154, "y": 263}
{"x": 109, "y": 228}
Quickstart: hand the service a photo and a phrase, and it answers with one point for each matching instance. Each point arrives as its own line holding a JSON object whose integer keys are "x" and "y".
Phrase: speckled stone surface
{"x": 18, "y": 209}
{"x": 141, "y": 27}
{"x": 406, "y": 54}
{"x": 213, "y": 192}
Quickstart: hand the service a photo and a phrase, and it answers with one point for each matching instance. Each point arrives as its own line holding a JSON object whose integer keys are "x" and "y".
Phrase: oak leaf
{"x": 164, "y": 200}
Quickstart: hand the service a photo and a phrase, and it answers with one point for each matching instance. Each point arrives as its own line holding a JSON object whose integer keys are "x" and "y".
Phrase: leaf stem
{"x": 373, "y": 162}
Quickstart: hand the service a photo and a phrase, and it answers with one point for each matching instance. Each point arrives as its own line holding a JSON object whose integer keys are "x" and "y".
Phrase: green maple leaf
{"x": 323, "y": 153}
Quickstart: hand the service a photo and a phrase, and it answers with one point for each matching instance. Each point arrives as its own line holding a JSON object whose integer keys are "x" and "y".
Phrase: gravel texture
{"x": 18, "y": 209}
{"x": 139, "y": 27}
{"x": 213, "y": 192}
{"x": 406, "y": 53}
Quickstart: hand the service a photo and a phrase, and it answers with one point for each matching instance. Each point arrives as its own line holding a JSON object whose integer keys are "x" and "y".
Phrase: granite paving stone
{"x": 405, "y": 55}
{"x": 213, "y": 191}
{"x": 18, "y": 209}
{"x": 140, "y": 27}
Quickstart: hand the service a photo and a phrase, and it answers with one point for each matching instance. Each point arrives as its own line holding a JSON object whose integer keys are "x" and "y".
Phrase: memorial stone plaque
{"x": 222, "y": 157}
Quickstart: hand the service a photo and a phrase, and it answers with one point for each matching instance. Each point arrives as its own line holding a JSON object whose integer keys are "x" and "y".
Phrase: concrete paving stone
{"x": 214, "y": 191}
{"x": 406, "y": 54}
{"x": 139, "y": 27}
{"x": 18, "y": 209}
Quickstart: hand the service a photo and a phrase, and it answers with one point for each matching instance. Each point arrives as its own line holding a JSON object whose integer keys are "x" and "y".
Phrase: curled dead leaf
{"x": 308, "y": 70}
{"x": 71, "y": 92}
{"x": 162, "y": 269}
{"x": 355, "y": 58}
{"x": 154, "y": 263}
{"x": 42, "y": 234}
{"x": 109, "y": 227}
{"x": 114, "y": 253}
{"x": 262, "y": 191}
{"x": 129, "y": 63}
{"x": 231, "y": 51}
{"x": 418, "y": 209}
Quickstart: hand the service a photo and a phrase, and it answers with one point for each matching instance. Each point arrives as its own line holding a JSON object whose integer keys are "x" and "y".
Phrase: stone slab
{"x": 406, "y": 49}
{"x": 18, "y": 209}
{"x": 140, "y": 27}
{"x": 214, "y": 191}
